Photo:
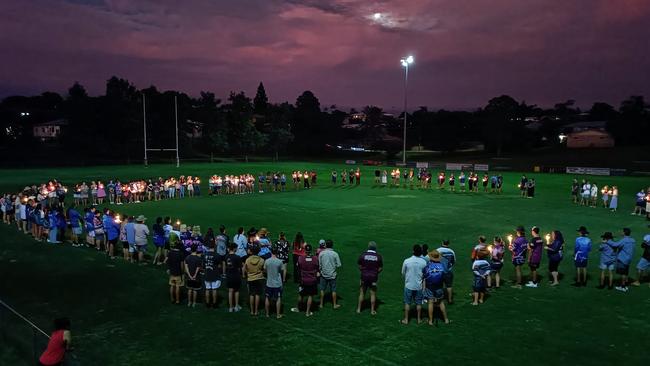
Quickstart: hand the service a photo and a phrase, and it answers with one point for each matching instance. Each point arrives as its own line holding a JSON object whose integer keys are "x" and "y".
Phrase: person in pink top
{"x": 60, "y": 342}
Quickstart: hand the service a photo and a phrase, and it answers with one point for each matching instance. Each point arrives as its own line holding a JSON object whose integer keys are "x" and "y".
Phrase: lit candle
{"x": 510, "y": 239}
{"x": 178, "y": 222}
{"x": 548, "y": 239}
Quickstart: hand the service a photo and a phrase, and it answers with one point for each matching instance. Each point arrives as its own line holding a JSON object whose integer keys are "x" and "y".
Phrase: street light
{"x": 405, "y": 63}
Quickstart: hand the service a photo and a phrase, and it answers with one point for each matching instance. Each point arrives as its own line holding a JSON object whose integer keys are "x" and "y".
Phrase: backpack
{"x": 433, "y": 273}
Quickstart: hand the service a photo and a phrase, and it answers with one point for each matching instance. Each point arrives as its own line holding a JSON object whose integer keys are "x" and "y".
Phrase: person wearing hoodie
{"x": 607, "y": 261}
{"x": 254, "y": 272}
{"x": 625, "y": 249}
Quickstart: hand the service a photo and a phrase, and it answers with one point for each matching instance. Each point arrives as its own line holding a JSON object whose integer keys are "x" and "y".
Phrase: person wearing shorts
{"x": 535, "y": 248}
{"x": 581, "y": 256}
{"x": 519, "y": 248}
{"x": 273, "y": 270}
{"x": 433, "y": 289}
{"x": 232, "y": 269}
{"x": 309, "y": 273}
{"x": 254, "y": 270}
{"x": 607, "y": 261}
{"x": 211, "y": 278}
{"x": 625, "y": 248}
{"x": 644, "y": 263}
{"x": 175, "y": 269}
{"x": 370, "y": 265}
{"x": 412, "y": 273}
{"x": 329, "y": 262}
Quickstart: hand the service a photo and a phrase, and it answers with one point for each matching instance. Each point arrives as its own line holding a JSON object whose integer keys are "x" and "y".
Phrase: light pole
{"x": 405, "y": 63}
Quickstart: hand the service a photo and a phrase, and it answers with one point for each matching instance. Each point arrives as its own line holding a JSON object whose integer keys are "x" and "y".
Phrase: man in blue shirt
{"x": 90, "y": 227}
{"x": 581, "y": 255}
{"x": 412, "y": 273}
{"x": 607, "y": 261}
{"x": 73, "y": 218}
{"x": 625, "y": 248}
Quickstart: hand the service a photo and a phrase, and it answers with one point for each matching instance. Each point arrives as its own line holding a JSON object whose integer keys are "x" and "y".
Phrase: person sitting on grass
{"x": 211, "y": 277}
{"x": 254, "y": 271}
{"x": 175, "y": 269}
{"x": 329, "y": 262}
{"x": 481, "y": 270}
{"x": 273, "y": 270}
{"x": 581, "y": 256}
{"x": 497, "y": 250}
{"x": 412, "y": 273}
{"x": 607, "y": 261}
{"x": 232, "y": 269}
{"x": 60, "y": 342}
{"x": 534, "y": 259}
{"x": 448, "y": 256}
{"x": 554, "y": 251}
{"x": 433, "y": 275}
{"x": 518, "y": 248}
{"x": 193, "y": 273}
{"x": 308, "y": 267}
{"x": 625, "y": 249}
{"x": 644, "y": 262}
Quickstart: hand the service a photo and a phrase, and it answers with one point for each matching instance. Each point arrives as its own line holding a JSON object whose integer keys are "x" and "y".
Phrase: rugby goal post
{"x": 144, "y": 123}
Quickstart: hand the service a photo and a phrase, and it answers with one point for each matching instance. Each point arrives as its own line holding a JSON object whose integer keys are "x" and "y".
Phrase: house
{"x": 50, "y": 130}
{"x": 589, "y": 138}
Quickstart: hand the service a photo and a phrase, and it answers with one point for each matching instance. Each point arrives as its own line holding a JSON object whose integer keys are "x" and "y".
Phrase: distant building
{"x": 50, "y": 130}
{"x": 589, "y": 138}
{"x": 586, "y": 126}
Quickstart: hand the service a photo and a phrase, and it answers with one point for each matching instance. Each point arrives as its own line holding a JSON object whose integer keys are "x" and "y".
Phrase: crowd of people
{"x": 586, "y": 193}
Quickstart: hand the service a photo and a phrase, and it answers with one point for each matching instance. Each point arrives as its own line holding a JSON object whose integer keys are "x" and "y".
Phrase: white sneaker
{"x": 622, "y": 289}
{"x": 231, "y": 310}
{"x": 295, "y": 310}
{"x": 237, "y": 308}
{"x": 530, "y": 284}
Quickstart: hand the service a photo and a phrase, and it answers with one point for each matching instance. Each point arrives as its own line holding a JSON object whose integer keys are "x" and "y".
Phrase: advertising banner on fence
{"x": 481, "y": 167}
{"x": 350, "y": 162}
{"x": 588, "y": 171}
{"x": 421, "y": 164}
{"x": 458, "y": 166}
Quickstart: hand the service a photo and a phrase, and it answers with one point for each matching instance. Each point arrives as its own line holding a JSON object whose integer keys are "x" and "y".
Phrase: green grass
{"x": 121, "y": 314}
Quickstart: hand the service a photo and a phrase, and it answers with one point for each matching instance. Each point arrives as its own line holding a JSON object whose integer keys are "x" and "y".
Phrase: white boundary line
{"x": 23, "y": 318}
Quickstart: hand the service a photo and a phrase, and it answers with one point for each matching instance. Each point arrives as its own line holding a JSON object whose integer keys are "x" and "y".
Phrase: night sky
{"x": 346, "y": 51}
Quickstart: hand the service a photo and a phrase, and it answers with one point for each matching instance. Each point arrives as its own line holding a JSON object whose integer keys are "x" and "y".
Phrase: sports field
{"x": 121, "y": 313}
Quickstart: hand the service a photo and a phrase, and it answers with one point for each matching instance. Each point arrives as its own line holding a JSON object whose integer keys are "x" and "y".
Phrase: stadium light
{"x": 405, "y": 64}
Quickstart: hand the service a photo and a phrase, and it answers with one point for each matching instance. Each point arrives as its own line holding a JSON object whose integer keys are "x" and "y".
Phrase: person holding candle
{"x": 607, "y": 261}
{"x": 497, "y": 250}
{"x": 605, "y": 192}
{"x": 581, "y": 251}
{"x": 441, "y": 180}
{"x": 613, "y": 202}
{"x": 452, "y": 182}
{"x": 518, "y": 248}
{"x": 554, "y": 248}
{"x": 535, "y": 256}
{"x": 461, "y": 179}
{"x": 640, "y": 203}
{"x": 575, "y": 190}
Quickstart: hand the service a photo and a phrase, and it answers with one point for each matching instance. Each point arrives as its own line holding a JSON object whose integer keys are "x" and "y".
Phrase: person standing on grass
{"x": 644, "y": 262}
{"x": 222, "y": 241}
{"x": 282, "y": 250}
{"x": 60, "y": 342}
{"x": 112, "y": 233}
{"x": 481, "y": 246}
{"x": 232, "y": 270}
{"x": 554, "y": 251}
{"x": 141, "y": 234}
{"x": 273, "y": 270}
{"x": 370, "y": 265}
{"x": 433, "y": 275}
{"x": 329, "y": 262}
{"x": 211, "y": 274}
{"x": 535, "y": 247}
{"x": 241, "y": 242}
{"x": 158, "y": 241}
{"x": 640, "y": 203}
{"x": 254, "y": 271}
{"x": 518, "y": 248}
{"x": 193, "y": 273}
{"x": 175, "y": 269}
{"x": 497, "y": 250}
{"x": 412, "y": 272}
{"x": 130, "y": 237}
{"x": 298, "y": 251}
{"x": 448, "y": 256}
{"x": 74, "y": 218}
{"x": 308, "y": 266}
{"x": 575, "y": 190}
{"x": 581, "y": 251}
{"x": 625, "y": 249}
{"x": 480, "y": 270}
{"x": 607, "y": 261}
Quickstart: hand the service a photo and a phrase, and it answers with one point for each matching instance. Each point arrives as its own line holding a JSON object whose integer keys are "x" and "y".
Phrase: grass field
{"x": 121, "y": 313}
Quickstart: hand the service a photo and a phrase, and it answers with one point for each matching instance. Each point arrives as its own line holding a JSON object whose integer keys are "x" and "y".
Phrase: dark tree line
{"x": 110, "y": 126}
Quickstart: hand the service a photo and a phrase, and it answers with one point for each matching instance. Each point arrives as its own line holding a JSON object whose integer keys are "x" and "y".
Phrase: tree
{"x": 279, "y": 134}
{"x": 261, "y": 102}
{"x": 308, "y": 127}
{"x": 602, "y": 112}
{"x": 633, "y": 121}
{"x": 243, "y": 137}
{"x": 500, "y": 112}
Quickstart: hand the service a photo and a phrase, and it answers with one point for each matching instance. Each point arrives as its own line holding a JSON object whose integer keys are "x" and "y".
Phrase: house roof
{"x": 588, "y": 124}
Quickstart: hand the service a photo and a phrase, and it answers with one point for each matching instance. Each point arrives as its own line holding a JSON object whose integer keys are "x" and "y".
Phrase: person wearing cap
{"x": 370, "y": 265}
{"x": 448, "y": 256}
{"x": 607, "y": 261}
{"x": 625, "y": 248}
{"x": 432, "y": 285}
{"x": 308, "y": 267}
{"x": 412, "y": 273}
{"x": 644, "y": 262}
{"x": 329, "y": 262}
{"x": 254, "y": 272}
{"x": 518, "y": 248}
{"x": 581, "y": 251}
{"x": 141, "y": 233}
{"x": 535, "y": 258}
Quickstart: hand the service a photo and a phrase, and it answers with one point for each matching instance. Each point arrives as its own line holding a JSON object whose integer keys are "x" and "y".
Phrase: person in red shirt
{"x": 309, "y": 274}
{"x": 298, "y": 251}
{"x": 370, "y": 264}
{"x": 60, "y": 342}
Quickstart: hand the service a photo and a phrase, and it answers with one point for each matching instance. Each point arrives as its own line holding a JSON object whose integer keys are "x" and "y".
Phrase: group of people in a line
{"x": 585, "y": 193}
